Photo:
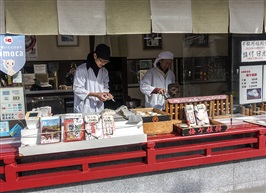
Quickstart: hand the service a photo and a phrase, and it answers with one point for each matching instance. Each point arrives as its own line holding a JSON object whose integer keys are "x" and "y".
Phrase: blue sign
{"x": 12, "y": 53}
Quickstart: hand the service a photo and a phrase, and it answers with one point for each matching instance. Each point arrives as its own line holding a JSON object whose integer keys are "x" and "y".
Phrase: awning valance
{"x": 128, "y": 17}
{"x": 79, "y": 17}
{"x": 2, "y": 18}
{"x": 171, "y": 16}
{"x": 246, "y": 16}
{"x": 210, "y": 16}
{"x": 31, "y": 17}
{"x": 110, "y": 17}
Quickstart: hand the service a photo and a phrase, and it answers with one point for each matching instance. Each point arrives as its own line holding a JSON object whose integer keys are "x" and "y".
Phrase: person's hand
{"x": 109, "y": 96}
{"x": 159, "y": 91}
{"x": 72, "y": 71}
{"x": 105, "y": 96}
{"x": 102, "y": 96}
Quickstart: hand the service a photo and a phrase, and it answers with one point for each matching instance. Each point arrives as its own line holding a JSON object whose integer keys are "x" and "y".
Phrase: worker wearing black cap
{"x": 91, "y": 80}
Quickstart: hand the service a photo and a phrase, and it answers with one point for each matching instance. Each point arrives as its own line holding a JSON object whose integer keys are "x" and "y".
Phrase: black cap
{"x": 103, "y": 51}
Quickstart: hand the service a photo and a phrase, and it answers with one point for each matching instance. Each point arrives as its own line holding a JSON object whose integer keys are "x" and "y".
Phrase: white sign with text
{"x": 253, "y": 51}
{"x": 250, "y": 84}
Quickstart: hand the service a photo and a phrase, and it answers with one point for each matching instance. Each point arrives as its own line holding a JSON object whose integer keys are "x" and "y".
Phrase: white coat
{"x": 152, "y": 79}
{"x": 85, "y": 82}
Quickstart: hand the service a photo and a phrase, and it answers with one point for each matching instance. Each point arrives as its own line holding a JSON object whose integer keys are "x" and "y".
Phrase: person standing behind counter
{"x": 91, "y": 80}
{"x": 154, "y": 84}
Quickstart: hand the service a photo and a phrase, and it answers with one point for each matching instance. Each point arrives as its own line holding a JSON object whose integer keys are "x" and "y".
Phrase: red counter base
{"x": 161, "y": 152}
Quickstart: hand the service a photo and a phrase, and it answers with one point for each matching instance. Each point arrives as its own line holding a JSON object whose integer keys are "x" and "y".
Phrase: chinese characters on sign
{"x": 264, "y": 83}
{"x": 250, "y": 84}
{"x": 253, "y": 51}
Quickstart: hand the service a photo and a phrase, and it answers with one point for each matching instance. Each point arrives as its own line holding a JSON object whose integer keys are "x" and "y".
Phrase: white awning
{"x": 2, "y": 18}
{"x": 31, "y": 17}
{"x": 79, "y": 17}
{"x": 128, "y": 16}
{"x": 117, "y": 17}
{"x": 210, "y": 16}
{"x": 170, "y": 16}
{"x": 246, "y": 16}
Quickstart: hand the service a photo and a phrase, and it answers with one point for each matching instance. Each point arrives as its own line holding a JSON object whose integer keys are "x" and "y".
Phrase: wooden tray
{"x": 214, "y": 127}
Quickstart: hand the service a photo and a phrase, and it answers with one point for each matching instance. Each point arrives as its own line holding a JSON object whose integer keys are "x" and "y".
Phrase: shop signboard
{"x": 264, "y": 83}
{"x": 250, "y": 84}
{"x": 12, "y": 53}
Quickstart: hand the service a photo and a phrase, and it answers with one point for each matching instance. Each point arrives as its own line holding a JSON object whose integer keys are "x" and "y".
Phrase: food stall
{"x": 67, "y": 152}
{"x": 132, "y": 151}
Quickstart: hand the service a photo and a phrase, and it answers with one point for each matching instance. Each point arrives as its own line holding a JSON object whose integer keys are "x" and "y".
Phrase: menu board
{"x": 251, "y": 84}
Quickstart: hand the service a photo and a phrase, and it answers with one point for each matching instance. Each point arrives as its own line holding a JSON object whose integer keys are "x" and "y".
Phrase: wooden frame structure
{"x": 161, "y": 152}
{"x": 217, "y": 106}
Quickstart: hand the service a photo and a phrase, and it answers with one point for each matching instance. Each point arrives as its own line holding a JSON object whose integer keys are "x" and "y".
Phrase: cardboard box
{"x": 155, "y": 124}
{"x": 214, "y": 127}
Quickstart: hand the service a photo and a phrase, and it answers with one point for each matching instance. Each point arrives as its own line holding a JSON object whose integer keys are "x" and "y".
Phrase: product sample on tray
{"x": 108, "y": 125}
{"x": 190, "y": 116}
{"x": 93, "y": 127}
{"x": 73, "y": 127}
{"x": 50, "y": 129}
{"x": 108, "y": 122}
{"x": 201, "y": 115}
{"x": 147, "y": 113}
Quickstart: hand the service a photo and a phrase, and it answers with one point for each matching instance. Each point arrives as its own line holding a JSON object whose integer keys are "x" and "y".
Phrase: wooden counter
{"x": 161, "y": 152}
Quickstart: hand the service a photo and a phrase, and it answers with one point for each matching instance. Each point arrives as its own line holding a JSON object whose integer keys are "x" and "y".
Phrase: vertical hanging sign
{"x": 12, "y": 53}
{"x": 264, "y": 83}
{"x": 250, "y": 80}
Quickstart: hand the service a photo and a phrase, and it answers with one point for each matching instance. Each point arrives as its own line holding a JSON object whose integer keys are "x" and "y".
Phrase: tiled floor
{"x": 259, "y": 189}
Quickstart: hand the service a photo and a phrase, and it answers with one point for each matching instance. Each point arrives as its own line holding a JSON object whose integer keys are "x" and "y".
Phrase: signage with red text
{"x": 250, "y": 84}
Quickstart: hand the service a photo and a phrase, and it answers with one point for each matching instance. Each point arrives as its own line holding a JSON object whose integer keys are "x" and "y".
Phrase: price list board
{"x": 251, "y": 84}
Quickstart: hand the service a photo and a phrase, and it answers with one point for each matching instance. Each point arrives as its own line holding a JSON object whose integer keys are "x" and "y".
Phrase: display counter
{"x": 61, "y": 101}
{"x": 161, "y": 152}
{"x": 38, "y": 93}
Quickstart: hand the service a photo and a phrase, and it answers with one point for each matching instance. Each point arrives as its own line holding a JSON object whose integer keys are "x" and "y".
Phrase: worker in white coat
{"x": 90, "y": 85}
{"x": 154, "y": 84}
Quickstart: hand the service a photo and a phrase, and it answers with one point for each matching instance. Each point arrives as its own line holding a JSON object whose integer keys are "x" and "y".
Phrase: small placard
{"x": 28, "y": 79}
{"x": 4, "y": 128}
{"x": 17, "y": 78}
{"x": 40, "y": 68}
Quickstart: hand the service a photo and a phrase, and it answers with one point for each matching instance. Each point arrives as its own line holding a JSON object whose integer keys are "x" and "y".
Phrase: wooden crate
{"x": 217, "y": 106}
{"x": 158, "y": 124}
